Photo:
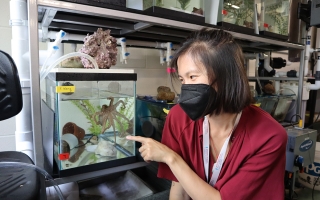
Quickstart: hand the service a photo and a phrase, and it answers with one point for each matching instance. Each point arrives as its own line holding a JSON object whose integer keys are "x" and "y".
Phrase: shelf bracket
{"x": 46, "y": 21}
{"x": 137, "y": 27}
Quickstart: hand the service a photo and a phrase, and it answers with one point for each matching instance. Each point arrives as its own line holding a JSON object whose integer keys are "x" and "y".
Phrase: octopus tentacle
{"x": 113, "y": 126}
{"x": 110, "y": 113}
{"x": 111, "y": 101}
{"x": 104, "y": 128}
{"x": 121, "y": 115}
{"x": 116, "y": 119}
{"x": 118, "y": 102}
{"x": 95, "y": 119}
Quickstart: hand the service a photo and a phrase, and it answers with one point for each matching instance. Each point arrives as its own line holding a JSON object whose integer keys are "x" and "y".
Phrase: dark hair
{"x": 223, "y": 59}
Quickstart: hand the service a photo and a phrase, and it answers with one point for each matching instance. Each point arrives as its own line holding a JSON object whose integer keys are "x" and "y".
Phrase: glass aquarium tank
{"x": 237, "y": 15}
{"x": 273, "y": 17}
{"x": 276, "y": 105}
{"x": 93, "y": 111}
{"x": 182, "y": 10}
{"x": 151, "y": 115}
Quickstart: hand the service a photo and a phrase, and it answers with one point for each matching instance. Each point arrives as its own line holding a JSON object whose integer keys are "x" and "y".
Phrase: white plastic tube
{"x": 168, "y": 46}
{"x": 169, "y": 49}
{"x": 277, "y": 83}
{"x": 257, "y": 72}
{"x": 267, "y": 62}
{"x": 316, "y": 86}
{"x": 55, "y": 46}
{"x": 68, "y": 36}
{"x": 161, "y": 54}
{"x": 308, "y": 51}
{"x": 124, "y": 53}
{"x": 46, "y": 71}
{"x": 19, "y": 46}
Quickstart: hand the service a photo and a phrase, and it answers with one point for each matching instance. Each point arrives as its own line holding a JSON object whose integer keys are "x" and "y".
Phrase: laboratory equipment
{"x": 300, "y": 153}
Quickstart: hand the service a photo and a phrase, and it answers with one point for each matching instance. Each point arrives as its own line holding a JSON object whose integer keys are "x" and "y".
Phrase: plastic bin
{"x": 276, "y": 106}
{"x": 126, "y": 186}
{"x": 150, "y": 117}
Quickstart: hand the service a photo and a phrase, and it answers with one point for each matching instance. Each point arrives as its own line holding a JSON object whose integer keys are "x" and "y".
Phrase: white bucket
{"x": 312, "y": 172}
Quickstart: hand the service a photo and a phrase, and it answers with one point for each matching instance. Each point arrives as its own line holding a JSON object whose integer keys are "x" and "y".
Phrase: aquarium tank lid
{"x": 75, "y": 74}
{"x": 83, "y": 70}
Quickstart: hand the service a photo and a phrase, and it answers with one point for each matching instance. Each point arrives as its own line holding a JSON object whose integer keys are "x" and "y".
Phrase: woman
{"x": 215, "y": 145}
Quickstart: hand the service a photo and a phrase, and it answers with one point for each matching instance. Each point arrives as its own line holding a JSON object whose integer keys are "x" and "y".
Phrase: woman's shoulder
{"x": 257, "y": 116}
{"x": 180, "y": 121}
{"x": 176, "y": 112}
{"x": 259, "y": 132}
{"x": 260, "y": 124}
{"x": 175, "y": 109}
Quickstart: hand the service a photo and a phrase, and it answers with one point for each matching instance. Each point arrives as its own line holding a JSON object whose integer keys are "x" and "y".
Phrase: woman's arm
{"x": 177, "y": 192}
{"x": 195, "y": 187}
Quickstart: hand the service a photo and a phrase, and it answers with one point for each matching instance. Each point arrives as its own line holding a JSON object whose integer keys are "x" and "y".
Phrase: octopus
{"x": 109, "y": 114}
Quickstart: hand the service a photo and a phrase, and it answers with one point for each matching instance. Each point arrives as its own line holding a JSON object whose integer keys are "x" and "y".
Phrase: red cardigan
{"x": 255, "y": 165}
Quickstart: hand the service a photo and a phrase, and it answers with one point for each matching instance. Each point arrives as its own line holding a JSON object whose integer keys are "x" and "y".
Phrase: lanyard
{"x": 206, "y": 143}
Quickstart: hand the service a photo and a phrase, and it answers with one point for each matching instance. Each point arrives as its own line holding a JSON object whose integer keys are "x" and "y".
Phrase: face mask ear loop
{"x": 209, "y": 105}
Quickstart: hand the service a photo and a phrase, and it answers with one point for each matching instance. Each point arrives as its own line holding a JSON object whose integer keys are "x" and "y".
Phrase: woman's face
{"x": 190, "y": 72}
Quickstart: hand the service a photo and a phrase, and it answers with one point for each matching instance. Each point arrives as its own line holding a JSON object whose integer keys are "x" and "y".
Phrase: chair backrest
{"x": 10, "y": 89}
{"x": 15, "y": 182}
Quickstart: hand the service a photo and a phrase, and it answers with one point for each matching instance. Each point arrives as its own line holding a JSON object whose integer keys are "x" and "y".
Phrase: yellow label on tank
{"x": 63, "y": 89}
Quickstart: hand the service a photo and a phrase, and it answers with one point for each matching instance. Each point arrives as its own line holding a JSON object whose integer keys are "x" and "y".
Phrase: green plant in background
{"x": 122, "y": 125}
{"x": 159, "y": 3}
{"x": 149, "y": 3}
{"x": 280, "y": 21}
{"x": 241, "y": 10}
{"x": 89, "y": 110}
{"x": 184, "y": 4}
{"x": 94, "y": 158}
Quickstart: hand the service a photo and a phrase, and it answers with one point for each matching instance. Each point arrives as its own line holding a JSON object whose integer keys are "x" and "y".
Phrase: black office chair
{"x": 16, "y": 182}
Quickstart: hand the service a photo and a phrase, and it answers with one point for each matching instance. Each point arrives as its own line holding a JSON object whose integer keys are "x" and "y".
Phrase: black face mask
{"x": 194, "y": 99}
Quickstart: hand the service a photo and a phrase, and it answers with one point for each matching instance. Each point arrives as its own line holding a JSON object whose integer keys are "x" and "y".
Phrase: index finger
{"x": 136, "y": 138}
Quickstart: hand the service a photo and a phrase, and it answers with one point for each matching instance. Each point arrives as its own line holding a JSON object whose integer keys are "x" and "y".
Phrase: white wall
{"x": 7, "y": 127}
{"x": 145, "y": 62}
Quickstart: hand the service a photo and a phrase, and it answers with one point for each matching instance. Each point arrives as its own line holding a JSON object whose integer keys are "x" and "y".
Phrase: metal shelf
{"x": 76, "y": 18}
{"x": 134, "y": 24}
{"x": 95, "y": 174}
{"x": 252, "y": 78}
